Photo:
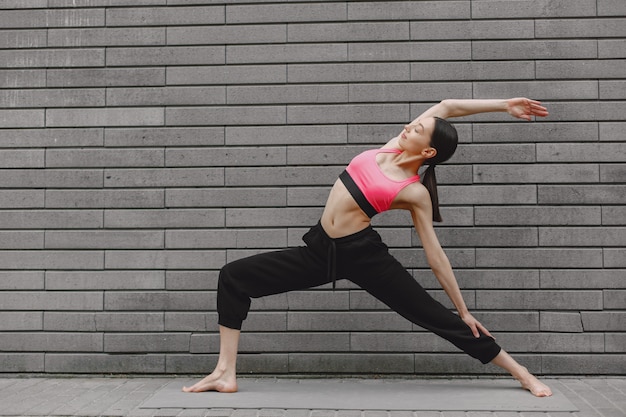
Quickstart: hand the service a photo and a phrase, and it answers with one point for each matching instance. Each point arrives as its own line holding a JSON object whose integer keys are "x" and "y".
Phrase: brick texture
{"x": 144, "y": 144}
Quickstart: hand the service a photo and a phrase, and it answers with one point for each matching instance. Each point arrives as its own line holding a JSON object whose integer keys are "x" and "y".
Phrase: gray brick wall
{"x": 144, "y": 143}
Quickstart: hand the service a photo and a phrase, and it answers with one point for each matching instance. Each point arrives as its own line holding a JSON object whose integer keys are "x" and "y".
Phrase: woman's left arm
{"x": 519, "y": 107}
{"x": 421, "y": 212}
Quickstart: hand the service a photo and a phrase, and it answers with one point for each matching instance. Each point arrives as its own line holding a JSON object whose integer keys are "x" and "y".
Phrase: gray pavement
{"x": 117, "y": 396}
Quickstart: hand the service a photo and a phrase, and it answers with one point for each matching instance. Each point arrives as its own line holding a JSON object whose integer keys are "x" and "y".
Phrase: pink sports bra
{"x": 369, "y": 186}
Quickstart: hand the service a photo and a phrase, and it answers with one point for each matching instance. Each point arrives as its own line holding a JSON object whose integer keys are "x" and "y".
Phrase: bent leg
{"x": 256, "y": 276}
{"x": 264, "y": 274}
{"x": 223, "y": 378}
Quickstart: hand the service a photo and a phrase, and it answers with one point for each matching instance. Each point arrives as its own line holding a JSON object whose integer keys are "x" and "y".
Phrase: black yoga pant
{"x": 361, "y": 258}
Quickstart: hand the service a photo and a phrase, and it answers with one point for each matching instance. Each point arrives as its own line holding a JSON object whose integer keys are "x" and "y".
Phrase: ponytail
{"x": 444, "y": 139}
{"x": 430, "y": 182}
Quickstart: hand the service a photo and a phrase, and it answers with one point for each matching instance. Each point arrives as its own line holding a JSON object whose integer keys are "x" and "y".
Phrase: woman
{"x": 343, "y": 244}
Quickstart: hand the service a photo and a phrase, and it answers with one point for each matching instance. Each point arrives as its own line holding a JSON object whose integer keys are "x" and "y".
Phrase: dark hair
{"x": 444, "y": 140}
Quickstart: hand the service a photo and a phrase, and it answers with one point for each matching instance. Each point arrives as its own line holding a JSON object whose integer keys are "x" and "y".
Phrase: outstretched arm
{"x": 420, "y": 205}
{"x": 519, "y": 107}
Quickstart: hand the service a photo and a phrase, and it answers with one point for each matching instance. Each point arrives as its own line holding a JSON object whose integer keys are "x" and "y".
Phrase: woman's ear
{"x": 429, "y": 152}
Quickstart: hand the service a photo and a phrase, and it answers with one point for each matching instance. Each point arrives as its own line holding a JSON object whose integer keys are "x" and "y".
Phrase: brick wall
{"x": 144, "y": 143}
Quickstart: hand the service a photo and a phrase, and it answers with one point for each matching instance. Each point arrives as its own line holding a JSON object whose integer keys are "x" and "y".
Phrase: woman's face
{"x": 416, "y": 137}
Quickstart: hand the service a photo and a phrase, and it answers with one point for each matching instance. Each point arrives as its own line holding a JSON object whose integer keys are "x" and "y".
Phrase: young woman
{"x": 343, "y": 244}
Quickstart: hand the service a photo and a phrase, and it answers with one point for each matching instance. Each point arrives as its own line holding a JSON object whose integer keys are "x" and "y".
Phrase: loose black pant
{"x": 363, "y": 259}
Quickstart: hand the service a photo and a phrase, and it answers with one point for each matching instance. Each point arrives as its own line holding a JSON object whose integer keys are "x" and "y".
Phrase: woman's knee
{"x": 232, "y": 278}
{"x": 227, "y": 277}
{"x": 226, "y": 283}
{"x": 224, "y": 272}
{"x": 232, "y": 302}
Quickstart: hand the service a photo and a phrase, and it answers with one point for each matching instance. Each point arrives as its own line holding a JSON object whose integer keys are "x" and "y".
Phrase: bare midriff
{"x": 342, "y": 215}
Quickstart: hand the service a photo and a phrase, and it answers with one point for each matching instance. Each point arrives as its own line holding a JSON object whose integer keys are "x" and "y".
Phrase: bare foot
{"x": 217, "y": 381}
{"x": 536, "y": 387}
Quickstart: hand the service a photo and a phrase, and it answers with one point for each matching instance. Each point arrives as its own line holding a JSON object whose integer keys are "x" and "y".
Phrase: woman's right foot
{"x": 221, "y": 382}
{"x": 532, "y": 384}
{"x": 536, "y": 387}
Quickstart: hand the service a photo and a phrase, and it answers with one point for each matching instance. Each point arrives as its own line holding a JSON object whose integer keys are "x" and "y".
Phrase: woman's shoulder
{"x": 414, "y": 196}
{"x": 392, "y": 144}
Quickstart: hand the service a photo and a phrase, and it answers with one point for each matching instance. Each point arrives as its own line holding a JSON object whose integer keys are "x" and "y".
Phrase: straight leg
{"x": 388, "y": 281}
{"x": 519, "y": 372}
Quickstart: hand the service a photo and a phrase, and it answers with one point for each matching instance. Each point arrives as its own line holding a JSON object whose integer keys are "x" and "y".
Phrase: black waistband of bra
{"x": 357, "y": 194}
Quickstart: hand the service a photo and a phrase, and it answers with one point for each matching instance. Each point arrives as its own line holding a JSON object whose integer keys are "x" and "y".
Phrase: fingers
{"x": 473, "y": 324}
{"x": 524, "y": 108}
{"x": 485, "y": 331}
{"x": 474, "y": 330}
{"x": 536, "y": 109}
{"x": 476, "y": 327}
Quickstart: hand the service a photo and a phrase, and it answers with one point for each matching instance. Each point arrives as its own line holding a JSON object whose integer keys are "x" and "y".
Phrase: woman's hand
{"x": 524, "y": 108}
{"x": 475, "y": 325}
